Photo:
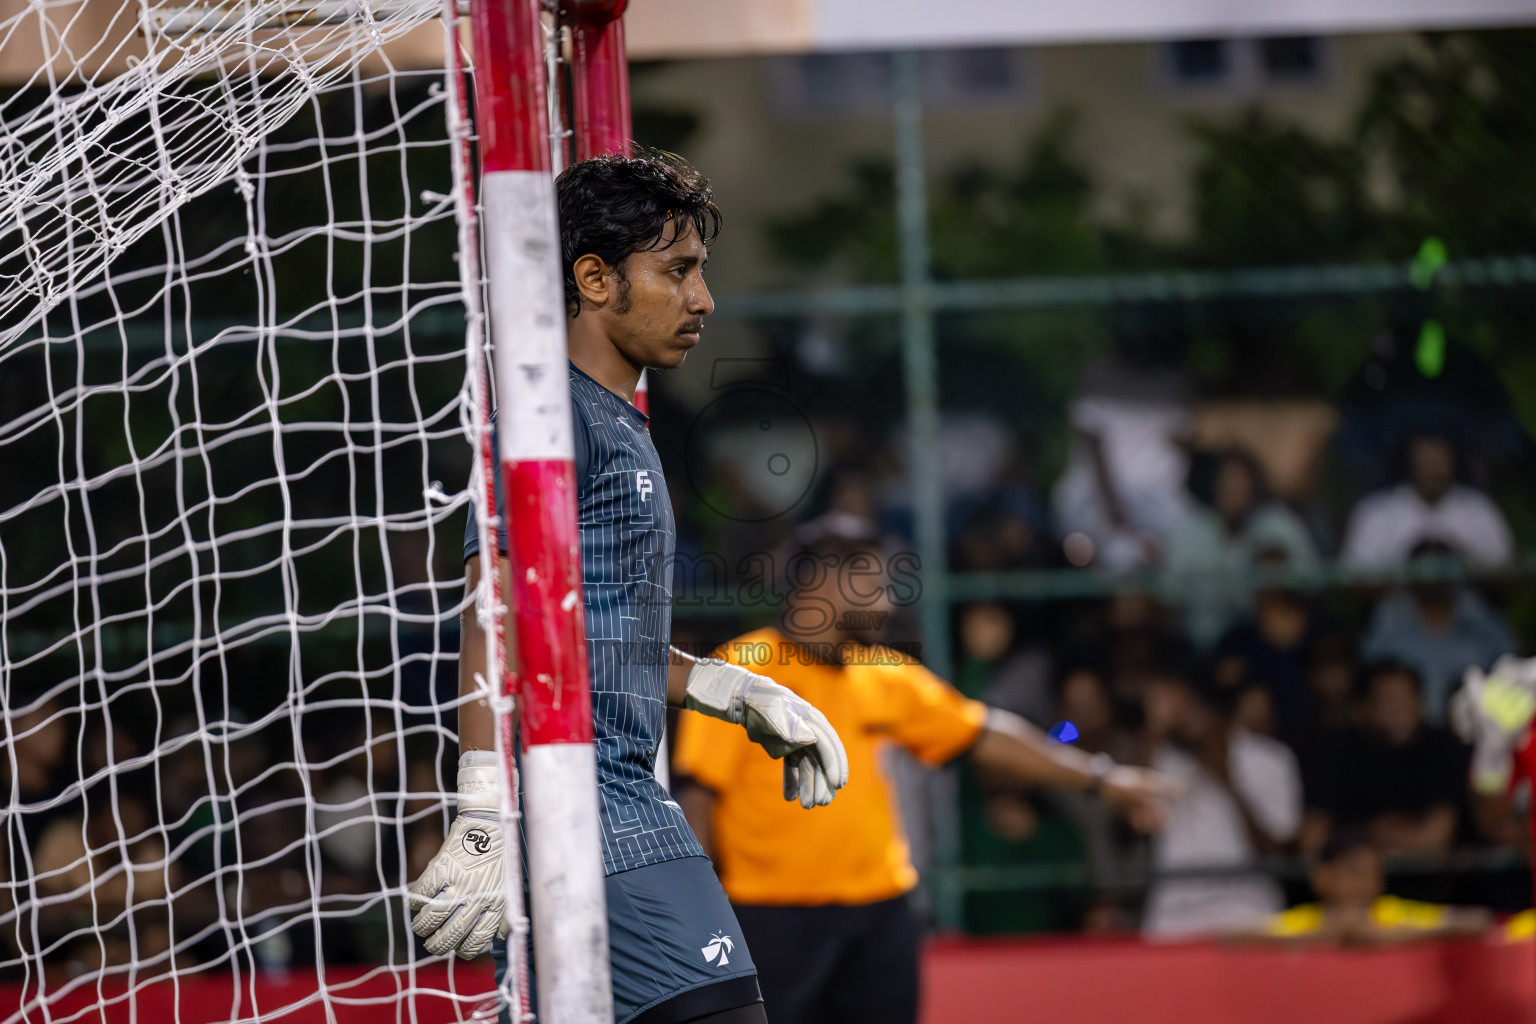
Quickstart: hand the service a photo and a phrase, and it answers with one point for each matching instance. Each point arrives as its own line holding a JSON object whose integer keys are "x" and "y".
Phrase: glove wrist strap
{"x": 479, "y": 782}
{"x": 718, "y": 689}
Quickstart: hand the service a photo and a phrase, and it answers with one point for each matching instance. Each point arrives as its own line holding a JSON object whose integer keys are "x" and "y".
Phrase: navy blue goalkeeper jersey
{"x": 627, "y": 541}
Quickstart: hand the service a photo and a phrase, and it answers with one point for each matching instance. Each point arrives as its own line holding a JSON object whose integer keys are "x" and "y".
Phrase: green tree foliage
{"x": 1267, "y": 192}
{"x": 852, "y": 231}
{"x": 1442, "y": 145}
{"x": 1032, "y": 219}
{"x": 985, "y": 222}
{"x": 1454, "y": 130}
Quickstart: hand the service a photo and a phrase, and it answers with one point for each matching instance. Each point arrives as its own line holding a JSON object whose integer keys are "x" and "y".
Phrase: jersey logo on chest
{"x": 643, "y": 484}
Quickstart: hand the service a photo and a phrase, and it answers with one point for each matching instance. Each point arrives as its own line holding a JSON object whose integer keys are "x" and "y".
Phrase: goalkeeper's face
{"x": 658, "y": 312}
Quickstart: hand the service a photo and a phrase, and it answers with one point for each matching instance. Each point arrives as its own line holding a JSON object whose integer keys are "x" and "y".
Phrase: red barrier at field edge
{"x": 1054, "y": 980}
{"x": 433, "y": 994}
{"x": 1082, "y": 981}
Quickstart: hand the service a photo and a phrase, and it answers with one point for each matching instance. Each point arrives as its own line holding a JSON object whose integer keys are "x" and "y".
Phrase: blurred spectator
{"x": 1004, "y": 525}
{"x": 1123, "y": 486}
{"x": 1213, "y": 552}
{"x": 974, "y": 449}
{"x": 1332, "y": 674}
{"x": 1253, "y": 710}
{"x": 996, "y": 538}
{"x": 1000, "y": 824}
{"x": 1242, "y": 798}
{"x": 38, "y": 745}
{"x": 1271, "y": 650}
{"x": 997, "y": 669}
{"x": 92, "y": 868}
{"x": 1083, "y": 699}
{"x": 1439, "y": 628}
{"x": 1391, "y": 398}
{"x": 275, "y": 841}
{"x": 1396, "y": 777}
{"x": 1287, "y": 435}
{"x": 1332, "y": 669}
{"x": 1135, "y": 646}
{"x": 61, "y": 877}
{"x": 358, "y": 783}
{"x": 993, "y": 514}
{"x": 1352, "y": 907}
{"x": 1385, "y": 527}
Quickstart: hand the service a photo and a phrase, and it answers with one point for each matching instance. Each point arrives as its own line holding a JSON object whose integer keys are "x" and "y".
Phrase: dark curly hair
{"x": 613, "y": 206}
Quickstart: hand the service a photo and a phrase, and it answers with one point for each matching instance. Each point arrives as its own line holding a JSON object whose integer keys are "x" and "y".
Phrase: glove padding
{"x": 1493, "y": 712}
{"x": 783, "y": 724}
{"x": 461, "y": 892}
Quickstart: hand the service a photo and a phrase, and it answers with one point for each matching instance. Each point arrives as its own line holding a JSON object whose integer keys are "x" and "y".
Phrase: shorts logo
{"x": 643, "y": 484}
{"x": 717, "y": 950}
{"x": 477, "y": 841}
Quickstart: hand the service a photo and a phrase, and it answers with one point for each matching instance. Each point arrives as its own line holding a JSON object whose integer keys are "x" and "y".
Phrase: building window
{"x": 1290, "y": 58}
{"x": 841, "y": 83}
{"x": 1201, "y": 61}
{"x": 831, "y": 83}
{"x": 981, "y": 76}
{"x": 1243, "y": 67}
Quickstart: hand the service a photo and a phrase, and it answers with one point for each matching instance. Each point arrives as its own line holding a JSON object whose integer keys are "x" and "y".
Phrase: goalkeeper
{"x": 634, "y": 237}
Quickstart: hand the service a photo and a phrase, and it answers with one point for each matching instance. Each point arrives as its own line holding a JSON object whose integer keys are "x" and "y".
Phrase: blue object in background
{"x": 1064, "y": 732}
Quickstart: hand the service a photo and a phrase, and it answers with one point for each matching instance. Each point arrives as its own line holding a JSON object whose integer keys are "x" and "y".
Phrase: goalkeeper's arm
{"x": 477, "y": 722}
{"x": 460, "y": 895}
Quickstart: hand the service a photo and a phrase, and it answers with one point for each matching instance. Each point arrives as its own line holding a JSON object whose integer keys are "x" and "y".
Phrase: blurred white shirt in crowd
{"x": 1386, "y": 526}
{"x": 1144, "y": 463}
{"x": 1205, "y": 829}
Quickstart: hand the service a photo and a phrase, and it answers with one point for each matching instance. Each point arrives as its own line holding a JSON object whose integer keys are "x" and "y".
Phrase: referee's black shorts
{"x": 835, "y": 964}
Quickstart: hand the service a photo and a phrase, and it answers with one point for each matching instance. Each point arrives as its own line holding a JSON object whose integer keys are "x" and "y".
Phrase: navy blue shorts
{"x": 675, "y": 948}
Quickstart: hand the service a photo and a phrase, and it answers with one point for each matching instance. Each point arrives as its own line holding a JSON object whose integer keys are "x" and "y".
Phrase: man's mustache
{"x": 692, "y": 326}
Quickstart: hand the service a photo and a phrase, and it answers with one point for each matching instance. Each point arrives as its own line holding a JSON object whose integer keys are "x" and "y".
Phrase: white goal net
{"x": 236, "y": 431}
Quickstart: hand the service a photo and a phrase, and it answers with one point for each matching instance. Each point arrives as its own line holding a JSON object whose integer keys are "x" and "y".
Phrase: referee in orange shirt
{"x": 822, "y": 896}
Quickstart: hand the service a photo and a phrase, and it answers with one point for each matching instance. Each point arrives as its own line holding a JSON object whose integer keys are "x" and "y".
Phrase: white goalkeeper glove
{"x": 785, "y": 725}
{"x": 1493, "y": 712}
{"x": 461, "y": 893}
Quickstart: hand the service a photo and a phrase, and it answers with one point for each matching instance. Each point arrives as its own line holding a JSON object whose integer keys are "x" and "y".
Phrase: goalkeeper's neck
{"x": 595, "y": 354}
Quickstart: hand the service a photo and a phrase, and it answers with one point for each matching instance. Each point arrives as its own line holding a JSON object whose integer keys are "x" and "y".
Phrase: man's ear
{"x": 595, "y": 280}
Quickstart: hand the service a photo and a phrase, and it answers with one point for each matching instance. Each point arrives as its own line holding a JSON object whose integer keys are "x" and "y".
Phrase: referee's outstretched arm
{"x": 1012, "y": 748}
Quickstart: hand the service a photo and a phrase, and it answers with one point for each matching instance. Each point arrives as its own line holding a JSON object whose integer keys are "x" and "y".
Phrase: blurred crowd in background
{"x": 240, "y": 829}
{"x": 1288, "y": 660}
{"x": 1296, "y": 707}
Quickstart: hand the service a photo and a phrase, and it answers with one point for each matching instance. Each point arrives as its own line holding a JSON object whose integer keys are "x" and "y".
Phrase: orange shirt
{"x": 772, "y": 851}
